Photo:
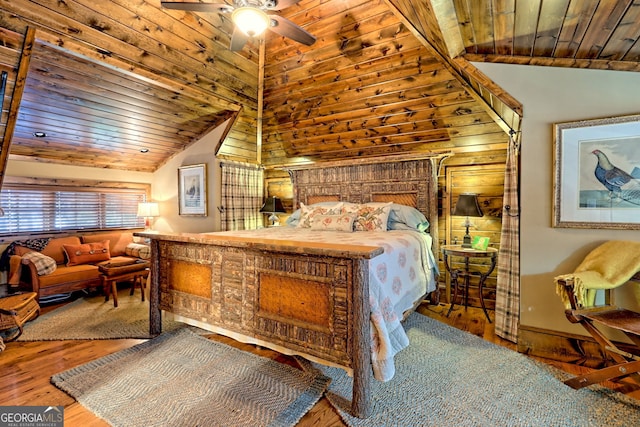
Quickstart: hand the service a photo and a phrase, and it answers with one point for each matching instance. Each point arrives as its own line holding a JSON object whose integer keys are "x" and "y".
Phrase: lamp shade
{"x": 272, "y": 205}
{"x": 250, "y": 20}
{"x": 467, "y": 206}
{"x": 148, "y": 209}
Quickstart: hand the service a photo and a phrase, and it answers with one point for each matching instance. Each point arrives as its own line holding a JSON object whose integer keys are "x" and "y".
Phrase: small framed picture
{"x": 192, "y": 190}
{"x": 480, "y": 243}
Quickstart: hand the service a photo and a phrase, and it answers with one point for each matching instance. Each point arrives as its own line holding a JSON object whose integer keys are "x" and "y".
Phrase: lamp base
{"x": 275, "y": 220}
{"x": 147, "y": 224}
{"x": 466, "y": 240}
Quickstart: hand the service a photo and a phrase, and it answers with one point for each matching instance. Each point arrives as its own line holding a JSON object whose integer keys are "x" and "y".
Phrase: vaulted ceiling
{"x": 105, "y": 80}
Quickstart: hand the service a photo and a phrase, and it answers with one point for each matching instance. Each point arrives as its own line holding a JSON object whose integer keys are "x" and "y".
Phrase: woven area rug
{"x": 183, "y": 379}
{"x": 93, "y": 318}
{"x": 447, "y": 377}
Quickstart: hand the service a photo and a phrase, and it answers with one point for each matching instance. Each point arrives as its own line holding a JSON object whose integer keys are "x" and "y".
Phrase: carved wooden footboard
{"x": 311, "y": 300}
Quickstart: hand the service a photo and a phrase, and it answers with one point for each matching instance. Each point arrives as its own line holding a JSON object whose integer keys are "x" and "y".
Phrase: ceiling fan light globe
{"x": 251, "y": 21}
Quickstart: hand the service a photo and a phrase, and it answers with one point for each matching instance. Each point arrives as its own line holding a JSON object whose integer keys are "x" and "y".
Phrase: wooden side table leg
{"x": 454, "y": 282}
{"x": 114, "y": 291}
{"x": 106, "y": 289}
{"x": 480, "y": 289}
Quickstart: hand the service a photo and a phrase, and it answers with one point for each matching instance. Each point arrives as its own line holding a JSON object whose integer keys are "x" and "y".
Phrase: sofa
{"x": 71, "y": 263}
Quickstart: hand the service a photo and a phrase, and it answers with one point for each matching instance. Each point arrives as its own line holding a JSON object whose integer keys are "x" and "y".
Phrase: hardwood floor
{"x": 27, "y": 367}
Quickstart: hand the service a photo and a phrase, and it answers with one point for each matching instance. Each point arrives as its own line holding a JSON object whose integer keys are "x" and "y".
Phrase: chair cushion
{"x": 75, "y": 273}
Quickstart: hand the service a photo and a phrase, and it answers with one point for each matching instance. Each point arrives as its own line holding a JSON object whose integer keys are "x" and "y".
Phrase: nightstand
{"x": 466, "y": 274}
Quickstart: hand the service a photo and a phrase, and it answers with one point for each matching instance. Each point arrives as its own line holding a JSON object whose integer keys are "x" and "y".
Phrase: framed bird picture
{"x": 597, "y": 173}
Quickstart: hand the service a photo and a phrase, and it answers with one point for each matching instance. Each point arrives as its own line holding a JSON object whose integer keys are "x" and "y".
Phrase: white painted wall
{"x": 552, "y": 95}
{"x": 165, "y": 188}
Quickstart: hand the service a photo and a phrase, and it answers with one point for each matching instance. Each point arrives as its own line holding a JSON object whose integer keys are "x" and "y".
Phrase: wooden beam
{"x": 16, "y": 97}
{"x": 594, "y": 64}
{"x": 445, "y": 13}
{"x": 233, "y": 115}
{"x": 261, "y": 62}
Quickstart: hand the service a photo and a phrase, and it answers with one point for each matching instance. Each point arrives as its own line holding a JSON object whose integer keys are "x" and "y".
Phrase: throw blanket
{"x": 14, "y": 267}
{"x": 606, "y": 267}
{"x": 35, "y": 244}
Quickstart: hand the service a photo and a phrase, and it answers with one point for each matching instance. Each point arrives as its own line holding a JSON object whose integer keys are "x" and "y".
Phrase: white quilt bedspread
{"x": 400, "y": 276}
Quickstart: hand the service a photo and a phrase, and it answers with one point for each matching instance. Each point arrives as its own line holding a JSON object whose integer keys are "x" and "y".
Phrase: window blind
{"x": 48, "y": 209}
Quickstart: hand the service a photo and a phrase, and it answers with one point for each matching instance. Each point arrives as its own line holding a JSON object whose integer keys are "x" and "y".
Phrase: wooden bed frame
{"x": 310, "y": 300}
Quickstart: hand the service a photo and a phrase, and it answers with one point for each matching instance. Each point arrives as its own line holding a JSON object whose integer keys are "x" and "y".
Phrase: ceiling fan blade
{"x": 279, "y": 4}
{"x": 288, "y": 29}
{"x": 238, "y": 40}
{"x": 197, "y": 7}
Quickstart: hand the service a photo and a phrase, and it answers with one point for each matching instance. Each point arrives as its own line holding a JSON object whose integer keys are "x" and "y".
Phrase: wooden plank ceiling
{"x": 106, "y": 79}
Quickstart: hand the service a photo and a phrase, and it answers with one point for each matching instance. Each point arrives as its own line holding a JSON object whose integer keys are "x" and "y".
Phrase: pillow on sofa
{"x": 54, "y": 248}
{"x": 138, "y": 250}
{"x": 117, "y": 241}
{"x": 44, "y": 264}
{"x": 87, "y": 253}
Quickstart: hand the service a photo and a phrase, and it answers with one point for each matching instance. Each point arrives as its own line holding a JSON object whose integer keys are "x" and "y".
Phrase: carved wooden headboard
{"x": 405, "y": 180}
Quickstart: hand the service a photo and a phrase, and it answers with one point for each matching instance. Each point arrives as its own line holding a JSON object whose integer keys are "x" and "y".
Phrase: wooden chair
{"x": 626, "y": 364}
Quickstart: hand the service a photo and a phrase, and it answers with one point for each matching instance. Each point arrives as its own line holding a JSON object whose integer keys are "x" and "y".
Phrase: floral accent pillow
{"x": 370, "y": 216}
{"x": 340, "y": 222}
{"x": 307, "y": 213}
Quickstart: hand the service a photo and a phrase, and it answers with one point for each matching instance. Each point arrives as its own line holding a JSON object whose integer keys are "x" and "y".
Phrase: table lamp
{"x": 148, "y": 210}
{"x": 272, "y": 206}
{"x": 467, "y": 206}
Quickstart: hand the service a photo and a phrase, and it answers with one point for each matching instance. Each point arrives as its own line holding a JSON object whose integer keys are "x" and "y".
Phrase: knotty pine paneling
{"x": 377, "y": 91}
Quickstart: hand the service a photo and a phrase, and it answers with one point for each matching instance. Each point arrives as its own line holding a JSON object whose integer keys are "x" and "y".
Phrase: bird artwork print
{"x": 620, "y": 184}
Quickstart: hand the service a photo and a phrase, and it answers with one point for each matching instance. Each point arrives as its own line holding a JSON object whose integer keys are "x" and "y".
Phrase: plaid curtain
{"x": 242, "y": 189}
{"x": 508, "y": 285}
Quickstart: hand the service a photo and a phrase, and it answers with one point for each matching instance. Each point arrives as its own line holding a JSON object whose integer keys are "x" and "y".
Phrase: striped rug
{"x": 447, "y": 377}
{"x": 183, "y": 379}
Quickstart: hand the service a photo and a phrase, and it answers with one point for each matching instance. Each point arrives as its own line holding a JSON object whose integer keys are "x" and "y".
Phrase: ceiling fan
{"x": 251, "y": 19}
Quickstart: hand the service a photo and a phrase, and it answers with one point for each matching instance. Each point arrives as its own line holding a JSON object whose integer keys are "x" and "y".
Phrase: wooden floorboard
{"x": 28, "y": 366}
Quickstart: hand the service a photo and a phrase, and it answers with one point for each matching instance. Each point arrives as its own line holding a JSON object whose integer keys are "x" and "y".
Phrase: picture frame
{"x": 596, "y": 170}
{"x": 192, "y": 190}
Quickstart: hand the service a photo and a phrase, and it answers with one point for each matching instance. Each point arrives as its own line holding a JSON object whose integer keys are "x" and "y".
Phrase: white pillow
{"x": 340, "y": 222}
{"x": 307, "y": 213}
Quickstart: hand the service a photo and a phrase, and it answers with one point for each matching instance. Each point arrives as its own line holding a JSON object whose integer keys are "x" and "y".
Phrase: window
{"x": 45, "y": 209}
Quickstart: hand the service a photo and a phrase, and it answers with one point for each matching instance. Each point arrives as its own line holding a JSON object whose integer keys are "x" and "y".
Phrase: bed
{"x": 325, "y": 294}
